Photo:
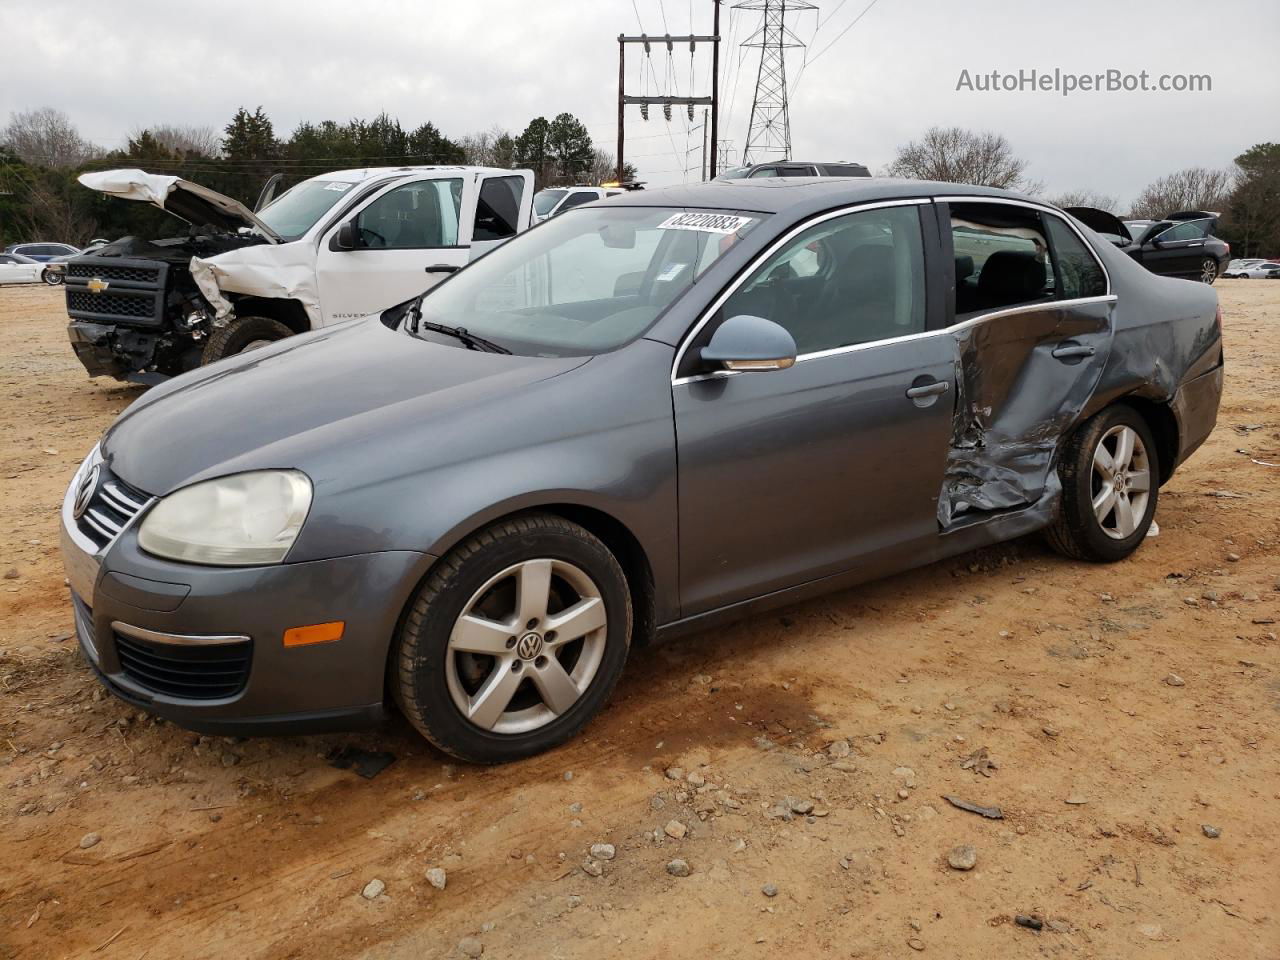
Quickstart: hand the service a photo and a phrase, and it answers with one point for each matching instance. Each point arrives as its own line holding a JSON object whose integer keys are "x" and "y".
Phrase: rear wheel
{"x": 242, "y": 335}
{"x": 52, "y": 277}
{"x": 515, "y": 641}
{"x": 1208, "y": 270}
{"x": 1110, "y": 485}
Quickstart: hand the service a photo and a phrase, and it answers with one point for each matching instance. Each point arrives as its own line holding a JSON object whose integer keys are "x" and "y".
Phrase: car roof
{"x": 775, "y": 194}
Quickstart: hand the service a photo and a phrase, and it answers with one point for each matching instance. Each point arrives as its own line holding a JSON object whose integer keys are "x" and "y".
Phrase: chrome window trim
{"x": 763, "y": 255}
{"x": 1039, "y": 208}
{"x": 176, "y": 639}
{"x": 962, "y": 325}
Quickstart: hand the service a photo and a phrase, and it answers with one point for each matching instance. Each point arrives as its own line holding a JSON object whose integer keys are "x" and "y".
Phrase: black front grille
{"x": 105, "y": 272}
{"x": 116, "y": 290}
{"x": 196, "y": 672}
{"x": 112, "y": 504}
{"x": 111, "y": 304}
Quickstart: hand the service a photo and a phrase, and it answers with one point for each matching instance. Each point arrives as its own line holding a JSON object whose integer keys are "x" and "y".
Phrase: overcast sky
{"x": 113, "y": 66}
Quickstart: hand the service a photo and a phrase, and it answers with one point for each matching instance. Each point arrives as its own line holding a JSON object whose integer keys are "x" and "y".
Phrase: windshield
{"x": 587, "y": 281}
{"x": 296, "y": 210}
{"x": 544, "y": 201}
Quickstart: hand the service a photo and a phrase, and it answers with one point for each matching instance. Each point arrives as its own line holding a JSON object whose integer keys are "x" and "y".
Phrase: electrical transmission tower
{"x": 769, "y": 131}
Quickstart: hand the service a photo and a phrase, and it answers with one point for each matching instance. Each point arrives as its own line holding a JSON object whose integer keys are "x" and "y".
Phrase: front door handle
{"x": 928, "y": 389}
{"x": 1073, "y": 351}
{"x": 442, "y": 268}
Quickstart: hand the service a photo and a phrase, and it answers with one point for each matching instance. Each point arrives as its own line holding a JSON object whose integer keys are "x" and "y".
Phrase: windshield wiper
{"x": 468, "y": 340}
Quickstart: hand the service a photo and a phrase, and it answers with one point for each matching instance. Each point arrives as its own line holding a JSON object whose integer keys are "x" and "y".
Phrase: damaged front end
{"x": 135, "y": 312}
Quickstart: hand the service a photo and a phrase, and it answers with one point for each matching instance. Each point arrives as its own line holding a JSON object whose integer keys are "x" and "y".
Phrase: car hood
{"x": 186, "y": 200}
{"x": 308, "y": 401}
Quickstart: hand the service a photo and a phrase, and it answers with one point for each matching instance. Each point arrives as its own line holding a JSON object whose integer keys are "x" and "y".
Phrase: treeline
{"x": 42, "y": 154}
{"x": 1247, "y": 194}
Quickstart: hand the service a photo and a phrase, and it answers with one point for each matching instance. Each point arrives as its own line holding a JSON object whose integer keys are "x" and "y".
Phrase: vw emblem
{"x": 84, "y": 492}
{"x": 529, "y": 646}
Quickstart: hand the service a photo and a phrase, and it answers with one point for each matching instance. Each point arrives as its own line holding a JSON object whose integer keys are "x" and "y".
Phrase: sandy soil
{"x": 1148, "y": 691}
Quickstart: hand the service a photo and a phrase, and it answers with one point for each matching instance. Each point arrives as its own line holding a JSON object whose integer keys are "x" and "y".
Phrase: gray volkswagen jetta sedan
{"x": 642, "y": 417}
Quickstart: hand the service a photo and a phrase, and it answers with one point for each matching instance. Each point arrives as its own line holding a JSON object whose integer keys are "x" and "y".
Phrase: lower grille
{"x": 198, "y": 672}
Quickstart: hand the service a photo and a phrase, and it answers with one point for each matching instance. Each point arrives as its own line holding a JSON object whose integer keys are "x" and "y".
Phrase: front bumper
{"x": 110, "y": 350}
{"x": 203, "y": 646}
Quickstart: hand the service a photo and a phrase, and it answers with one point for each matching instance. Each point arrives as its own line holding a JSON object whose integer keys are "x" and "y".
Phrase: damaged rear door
{"x": 1032, "y": 322}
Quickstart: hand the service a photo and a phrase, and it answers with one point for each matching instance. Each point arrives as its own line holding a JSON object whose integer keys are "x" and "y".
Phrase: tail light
{"x": 1218, "y": 320}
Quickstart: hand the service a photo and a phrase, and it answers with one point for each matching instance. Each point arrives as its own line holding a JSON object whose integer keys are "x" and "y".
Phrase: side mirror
{"x": 748, "y": 343}
{"x": 346, "y": 238}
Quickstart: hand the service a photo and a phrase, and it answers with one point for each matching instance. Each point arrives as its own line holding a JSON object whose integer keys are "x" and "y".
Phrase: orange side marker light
{"x": 315, "y": 633}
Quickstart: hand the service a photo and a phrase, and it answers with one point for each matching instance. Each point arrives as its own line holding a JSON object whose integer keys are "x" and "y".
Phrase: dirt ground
{"x": 1123, "y": 708}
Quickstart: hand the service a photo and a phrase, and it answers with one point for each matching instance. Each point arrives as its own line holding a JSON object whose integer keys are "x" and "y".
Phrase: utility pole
{"x": 704, "y": 149}
{"x": 622, "y": 56}
{"x": 715, "y": 84}
{"x": 769, "y": 130}
{"x": 667, "y": 102}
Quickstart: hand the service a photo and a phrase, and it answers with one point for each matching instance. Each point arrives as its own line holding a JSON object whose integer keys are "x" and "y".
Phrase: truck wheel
{"x": 515, "y": 640}
{"x": 1110, "y": 484}
{"x": 241, "y": 335}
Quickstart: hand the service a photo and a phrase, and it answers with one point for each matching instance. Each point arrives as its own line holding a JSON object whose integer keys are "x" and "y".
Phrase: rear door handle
{"x": 1073, "y": 351}
{"x": 928, "y": 389}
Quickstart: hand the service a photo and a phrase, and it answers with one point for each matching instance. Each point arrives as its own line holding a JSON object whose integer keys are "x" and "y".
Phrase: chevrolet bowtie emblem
{"x": 97, "y": 284}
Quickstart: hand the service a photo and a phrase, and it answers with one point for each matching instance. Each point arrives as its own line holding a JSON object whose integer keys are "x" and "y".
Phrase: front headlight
{"x": 236, "y": 521}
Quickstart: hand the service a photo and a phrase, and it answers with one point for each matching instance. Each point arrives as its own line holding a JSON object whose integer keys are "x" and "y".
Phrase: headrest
{"x": 1011, "y": 276}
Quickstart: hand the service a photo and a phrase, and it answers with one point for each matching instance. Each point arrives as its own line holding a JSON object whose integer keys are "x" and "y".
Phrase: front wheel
{"x": 242, "y": 335}
{"x": 515, "y": 640}
{"x": 1110, "y": 484}
{"x": 1208, "y": 270}
{"x": 53, "y": 278}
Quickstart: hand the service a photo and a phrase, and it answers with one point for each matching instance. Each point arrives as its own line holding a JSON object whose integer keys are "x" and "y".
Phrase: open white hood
{"x": 189, "y": 201}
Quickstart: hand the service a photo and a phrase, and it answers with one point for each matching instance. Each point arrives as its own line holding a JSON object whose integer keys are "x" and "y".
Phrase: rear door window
{"x": 1078, "y": 272}
{"x": 1001, "y": 257}
{"x": 498, "y": 208}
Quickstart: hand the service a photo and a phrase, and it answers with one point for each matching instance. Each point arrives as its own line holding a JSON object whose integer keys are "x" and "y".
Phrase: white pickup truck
{"x": 341, "y": 245}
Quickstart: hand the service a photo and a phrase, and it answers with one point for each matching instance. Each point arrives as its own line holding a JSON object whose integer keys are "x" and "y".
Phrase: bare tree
{"x": 1195, "y": 188}
{"x": 957, "y": 155}
{"x": 488, "y": 148}
{"x": 201, "y": 141}
{"x": 46, "y": 137}
{"x": 1086, "y": 198}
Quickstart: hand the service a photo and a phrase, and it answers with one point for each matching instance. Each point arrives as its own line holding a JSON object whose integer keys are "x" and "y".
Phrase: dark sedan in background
{"x": 648, "y": 415}
{"x": 1181, "y": 245}
{"x": 796, "y": 168}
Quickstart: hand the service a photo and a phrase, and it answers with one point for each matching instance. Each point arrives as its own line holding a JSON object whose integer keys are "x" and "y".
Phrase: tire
{"x": 1079, "y": 532}
{"x": 53, "y": 278}
{"x": 241, "y": 334}
{"x": 1208, "y": 270}
{"x": 494, "y": 706}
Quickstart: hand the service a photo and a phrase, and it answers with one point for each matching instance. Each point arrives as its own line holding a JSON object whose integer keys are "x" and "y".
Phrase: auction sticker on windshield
{"x": 725, "y": 223}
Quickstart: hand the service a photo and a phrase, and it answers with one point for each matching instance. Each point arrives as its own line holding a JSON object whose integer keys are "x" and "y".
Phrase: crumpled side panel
{"x": 1015, "y": 401}
{"x": 284, "y": 271}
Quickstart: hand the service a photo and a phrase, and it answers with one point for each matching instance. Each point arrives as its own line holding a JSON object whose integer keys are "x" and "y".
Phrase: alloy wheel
{"x": 526, "y": 646}
{"x": 1208, "y": 271}
{"x": 1121, "y": 485}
